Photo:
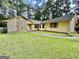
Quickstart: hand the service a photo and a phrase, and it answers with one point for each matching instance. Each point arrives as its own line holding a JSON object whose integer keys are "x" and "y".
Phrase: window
{"x": 43, "y": 25}
{"x": 36, "y": 26}
{"x": 53, "y": 25}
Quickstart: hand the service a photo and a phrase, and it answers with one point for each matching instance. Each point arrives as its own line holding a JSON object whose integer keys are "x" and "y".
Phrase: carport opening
{"x": 3, "y": 27}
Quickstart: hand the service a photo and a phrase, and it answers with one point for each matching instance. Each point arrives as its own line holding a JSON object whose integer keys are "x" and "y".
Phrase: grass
{"x": 32, "y": 46}
{"x": 75, "y": 34}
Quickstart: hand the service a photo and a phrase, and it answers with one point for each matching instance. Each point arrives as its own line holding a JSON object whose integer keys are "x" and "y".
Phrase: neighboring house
{"x": 61, "y": 24}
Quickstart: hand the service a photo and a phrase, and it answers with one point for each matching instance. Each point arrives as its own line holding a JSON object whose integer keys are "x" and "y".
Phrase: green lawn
{"x": 56, "y": 33}
{"x": 32, "y": 46}
{"x": 51, "y": 33}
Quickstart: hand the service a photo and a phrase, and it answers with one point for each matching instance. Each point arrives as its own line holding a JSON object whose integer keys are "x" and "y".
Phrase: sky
{"x": 34, "y": 2}
{"x": 40, "y": 2}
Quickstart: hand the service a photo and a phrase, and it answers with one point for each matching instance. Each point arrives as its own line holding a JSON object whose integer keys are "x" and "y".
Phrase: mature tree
{"x": 53, "y": 9}
{"x": 17, "y": 5}
{"x": 3, "y": 9}
{"x": 11, "y": 9}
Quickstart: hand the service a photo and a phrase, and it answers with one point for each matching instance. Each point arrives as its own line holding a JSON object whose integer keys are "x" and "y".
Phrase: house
{"x": 21, "y": 24}
{"x": 61, "y": 24}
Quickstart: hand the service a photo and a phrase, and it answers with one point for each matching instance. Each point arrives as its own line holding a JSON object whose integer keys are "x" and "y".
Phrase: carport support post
{"x": 41, "y": 23}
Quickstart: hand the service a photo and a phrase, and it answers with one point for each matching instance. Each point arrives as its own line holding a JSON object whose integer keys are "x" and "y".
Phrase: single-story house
{"x": 21, "y": 24}
{"x": 61, "y": 24}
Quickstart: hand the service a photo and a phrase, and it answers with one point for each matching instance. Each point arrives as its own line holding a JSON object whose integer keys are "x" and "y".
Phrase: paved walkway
{"x": 72, "y": 37}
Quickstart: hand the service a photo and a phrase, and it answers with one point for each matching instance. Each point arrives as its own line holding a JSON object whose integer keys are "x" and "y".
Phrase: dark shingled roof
{"x": 59, "y": 19}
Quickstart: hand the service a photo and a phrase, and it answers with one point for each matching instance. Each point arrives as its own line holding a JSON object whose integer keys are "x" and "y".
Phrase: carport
{"x": 3, "y": 27}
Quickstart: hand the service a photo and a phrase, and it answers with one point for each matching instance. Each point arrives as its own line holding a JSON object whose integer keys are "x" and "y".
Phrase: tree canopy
{"x": 50, "y": 9}
{"x": 11, "y": 9}
{"x": 53, "y": 8}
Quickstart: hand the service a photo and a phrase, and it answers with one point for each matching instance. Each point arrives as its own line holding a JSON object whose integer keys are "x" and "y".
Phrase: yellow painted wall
{"x": 41, "y": 29}
{"x": 33, "y": 27}
{"x": 62, "y": 27}
{"x": 47, "y": 26}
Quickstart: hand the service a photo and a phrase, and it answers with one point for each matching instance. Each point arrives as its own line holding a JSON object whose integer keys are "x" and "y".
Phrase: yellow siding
{"x": 41, "y": 29}
{"x": 48, "y": 28}
{"x": 33, "y": 27}
{"x": 62, "y": 27}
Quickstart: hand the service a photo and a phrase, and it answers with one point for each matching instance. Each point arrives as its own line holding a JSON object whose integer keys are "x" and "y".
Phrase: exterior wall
{"x": 41, "y": 29}
{"x": 48, "y": 28}
{"x": 11, "y": 25}
{"x": 33, "y": 27}
{"x": 29, "y": 26}
{"x": 62, "y": 27}
{"x": 73, "y": 23}
{"x": 22, "y": 25}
